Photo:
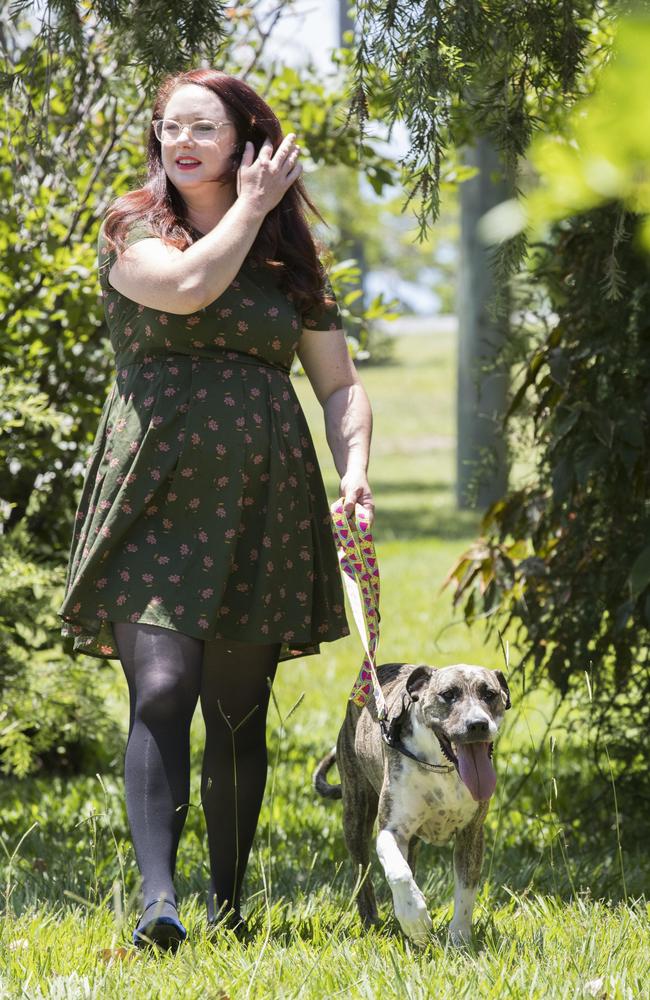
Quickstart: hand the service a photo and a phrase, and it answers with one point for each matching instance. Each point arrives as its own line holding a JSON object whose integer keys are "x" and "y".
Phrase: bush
{"x": 566, "y": 558}
{"x": 49, "y": 713}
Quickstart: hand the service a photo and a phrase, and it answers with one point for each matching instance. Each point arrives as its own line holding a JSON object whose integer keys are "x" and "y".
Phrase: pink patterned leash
{"x": 360, "y": 569}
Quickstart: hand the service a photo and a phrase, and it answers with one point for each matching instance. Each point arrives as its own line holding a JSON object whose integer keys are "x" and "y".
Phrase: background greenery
{"x": 564, "y": 555}
{"x": 77, "y": 92}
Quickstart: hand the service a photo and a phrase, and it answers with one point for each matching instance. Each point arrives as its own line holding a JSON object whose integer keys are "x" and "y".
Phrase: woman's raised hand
{"x": 264, "y": 181}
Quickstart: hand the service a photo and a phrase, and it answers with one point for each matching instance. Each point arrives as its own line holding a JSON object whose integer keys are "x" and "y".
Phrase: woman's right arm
{"x": 157, "y": 275}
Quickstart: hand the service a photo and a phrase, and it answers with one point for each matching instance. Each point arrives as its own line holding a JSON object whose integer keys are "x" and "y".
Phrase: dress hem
{"x": 288, "y": 651}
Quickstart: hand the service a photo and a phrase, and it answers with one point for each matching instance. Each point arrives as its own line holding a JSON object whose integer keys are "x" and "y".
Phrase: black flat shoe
{"x": 164, "y": 931}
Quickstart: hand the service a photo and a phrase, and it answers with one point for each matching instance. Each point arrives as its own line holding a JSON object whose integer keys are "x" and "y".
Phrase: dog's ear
{"x": 504, "y": 686}
{"x": 417, "y": 679}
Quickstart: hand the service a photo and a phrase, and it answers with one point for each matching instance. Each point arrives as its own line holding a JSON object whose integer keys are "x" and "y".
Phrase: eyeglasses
{"x": 168, "y": 130}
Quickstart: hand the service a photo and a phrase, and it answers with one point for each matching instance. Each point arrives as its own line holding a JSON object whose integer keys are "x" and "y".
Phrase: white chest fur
{"x": 438, "y": 803}
{"x": 431, "y": 806}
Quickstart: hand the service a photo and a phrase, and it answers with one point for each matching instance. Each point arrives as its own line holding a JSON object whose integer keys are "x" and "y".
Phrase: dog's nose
{"x": 478, "y": 729}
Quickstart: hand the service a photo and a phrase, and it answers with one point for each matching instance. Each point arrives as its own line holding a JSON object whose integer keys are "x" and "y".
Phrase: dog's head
{"x": 464, "y": 707}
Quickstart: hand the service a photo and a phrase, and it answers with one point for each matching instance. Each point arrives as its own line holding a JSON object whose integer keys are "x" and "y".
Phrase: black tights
{"x": 167, "y": 672}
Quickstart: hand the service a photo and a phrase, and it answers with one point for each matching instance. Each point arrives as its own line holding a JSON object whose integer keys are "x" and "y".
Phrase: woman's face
{"x": 191, "y": 103}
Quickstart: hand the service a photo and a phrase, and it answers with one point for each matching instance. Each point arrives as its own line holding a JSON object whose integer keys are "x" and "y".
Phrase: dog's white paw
{"x": 460, "y": 935}
{"x": 411, "y": 911}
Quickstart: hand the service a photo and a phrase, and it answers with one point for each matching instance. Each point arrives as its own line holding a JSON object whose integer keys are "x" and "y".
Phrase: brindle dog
{"x": 448, "y": 716}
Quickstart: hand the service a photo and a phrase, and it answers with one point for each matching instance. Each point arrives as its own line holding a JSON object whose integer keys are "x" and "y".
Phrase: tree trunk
{"x": 353, "y": 242}
{"x": 482, "y": 461}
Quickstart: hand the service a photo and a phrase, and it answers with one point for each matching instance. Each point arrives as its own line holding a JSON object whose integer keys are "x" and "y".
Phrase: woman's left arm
{"x": 327, "y": 363}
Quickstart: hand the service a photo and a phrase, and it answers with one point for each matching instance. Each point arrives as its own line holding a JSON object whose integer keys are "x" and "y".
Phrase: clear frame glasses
{"x": 169, "y": 130}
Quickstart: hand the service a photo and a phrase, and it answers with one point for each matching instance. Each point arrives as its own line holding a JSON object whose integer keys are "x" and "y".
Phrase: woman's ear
{"x": 417, "y": 680}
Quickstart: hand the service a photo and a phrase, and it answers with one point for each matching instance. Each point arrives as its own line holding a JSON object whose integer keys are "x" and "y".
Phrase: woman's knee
{"x": 165, "y": 697}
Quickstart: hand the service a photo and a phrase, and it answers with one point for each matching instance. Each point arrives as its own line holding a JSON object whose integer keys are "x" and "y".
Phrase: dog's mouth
{"x": 473, "y": 761}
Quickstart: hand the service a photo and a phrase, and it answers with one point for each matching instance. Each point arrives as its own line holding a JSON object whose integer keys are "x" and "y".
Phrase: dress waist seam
{"x": 221, "y": 359}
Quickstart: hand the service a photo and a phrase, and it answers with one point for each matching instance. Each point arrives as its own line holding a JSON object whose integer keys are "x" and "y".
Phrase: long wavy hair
{"x": 284, "y": 242}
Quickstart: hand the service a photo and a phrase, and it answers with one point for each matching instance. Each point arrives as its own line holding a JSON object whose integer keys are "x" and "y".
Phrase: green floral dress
{"x": 203, "y": 508}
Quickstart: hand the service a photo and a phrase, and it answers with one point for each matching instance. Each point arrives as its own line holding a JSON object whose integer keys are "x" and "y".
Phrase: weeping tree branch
{"x": 453, "y": 71}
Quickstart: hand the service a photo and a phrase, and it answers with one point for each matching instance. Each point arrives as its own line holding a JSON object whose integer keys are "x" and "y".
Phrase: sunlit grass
{"x": 412, "y": 469}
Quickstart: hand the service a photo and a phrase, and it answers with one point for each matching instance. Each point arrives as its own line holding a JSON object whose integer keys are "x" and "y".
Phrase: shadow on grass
{"x": 384, "y": 488}
{"x": 423, "y": 521}
{"x": 527, "y": 848}
{"x": 430, "y": 515}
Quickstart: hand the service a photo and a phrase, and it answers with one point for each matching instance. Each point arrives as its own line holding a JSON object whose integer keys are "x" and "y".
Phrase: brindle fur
{"x": 412, "y": 802}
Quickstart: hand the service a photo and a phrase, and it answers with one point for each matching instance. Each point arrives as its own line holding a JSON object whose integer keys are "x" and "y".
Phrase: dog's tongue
{"x": 476, "y": 769}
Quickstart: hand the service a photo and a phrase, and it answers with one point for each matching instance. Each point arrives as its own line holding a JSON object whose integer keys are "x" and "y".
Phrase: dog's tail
{"x": 319, "y": 777}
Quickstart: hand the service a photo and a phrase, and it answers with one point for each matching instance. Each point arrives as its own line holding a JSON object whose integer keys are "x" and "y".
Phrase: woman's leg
{"x": 236, "y": 684}
{"x": 163, "y": 671}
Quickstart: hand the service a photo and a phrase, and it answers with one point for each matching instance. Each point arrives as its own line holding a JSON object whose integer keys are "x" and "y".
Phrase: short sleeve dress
{"x": 203, "y": 508}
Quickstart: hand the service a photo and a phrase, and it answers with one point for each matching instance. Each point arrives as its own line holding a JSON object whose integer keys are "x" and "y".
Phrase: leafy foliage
{"x": 49, "y": 714}
{"x": 565, "y": 558}
{"x": 153, "y": 37}
{"x": 600, "y": 150}
{"x": 455, "y": 70}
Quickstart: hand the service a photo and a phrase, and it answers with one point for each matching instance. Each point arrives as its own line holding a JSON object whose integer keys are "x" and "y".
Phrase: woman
{"x": 202, "y": 551}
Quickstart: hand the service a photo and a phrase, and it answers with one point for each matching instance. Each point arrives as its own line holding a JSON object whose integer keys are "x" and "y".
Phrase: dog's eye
{"x": 449, "y": 695}
{"x": 487, "y": 694}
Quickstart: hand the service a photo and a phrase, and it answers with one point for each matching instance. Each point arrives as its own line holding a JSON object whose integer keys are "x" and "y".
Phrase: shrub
{"x": 566, "y": 557}
{"x": 49, "y": 713}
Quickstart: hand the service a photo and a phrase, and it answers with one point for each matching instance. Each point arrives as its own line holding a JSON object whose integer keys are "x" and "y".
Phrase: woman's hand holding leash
{"x": 358, "y": 502}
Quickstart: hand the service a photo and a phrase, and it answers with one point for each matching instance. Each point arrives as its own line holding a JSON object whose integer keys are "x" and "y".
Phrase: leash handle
{"x": 360, "y": 570}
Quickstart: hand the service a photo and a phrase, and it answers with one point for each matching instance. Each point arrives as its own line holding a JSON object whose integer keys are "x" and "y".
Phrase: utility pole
{"x": 482, "y": 462}
{"x": 357, "y": 249}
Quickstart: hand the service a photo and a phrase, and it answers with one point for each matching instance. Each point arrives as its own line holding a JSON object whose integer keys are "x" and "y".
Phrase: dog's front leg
{"x": 468, "y": 858}
{"x": 408, "y": 901}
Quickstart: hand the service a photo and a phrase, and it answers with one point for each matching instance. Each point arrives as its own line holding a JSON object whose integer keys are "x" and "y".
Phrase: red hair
{"x": 284, "y": 241}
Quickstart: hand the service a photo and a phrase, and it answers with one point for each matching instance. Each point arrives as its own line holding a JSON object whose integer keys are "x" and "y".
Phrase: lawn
{"x": 556, "y": 916}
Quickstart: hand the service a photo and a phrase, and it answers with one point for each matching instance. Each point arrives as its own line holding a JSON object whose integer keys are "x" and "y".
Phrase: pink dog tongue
{"x": 476, "y": 769}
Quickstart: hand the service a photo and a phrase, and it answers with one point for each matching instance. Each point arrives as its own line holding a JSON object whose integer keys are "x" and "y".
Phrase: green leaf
{"x": 602, "y": 427}
{"x": 639, "y": 577}
{"x": 559, "y": 365}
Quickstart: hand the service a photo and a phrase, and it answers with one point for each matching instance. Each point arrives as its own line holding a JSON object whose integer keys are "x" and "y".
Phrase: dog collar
{"x": 390, "y": 733}
{"x": 394, "y": 742}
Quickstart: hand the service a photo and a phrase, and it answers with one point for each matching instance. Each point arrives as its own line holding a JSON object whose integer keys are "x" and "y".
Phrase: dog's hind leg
{"x": 359, "y": 813}
{"x": 468, "y": 858}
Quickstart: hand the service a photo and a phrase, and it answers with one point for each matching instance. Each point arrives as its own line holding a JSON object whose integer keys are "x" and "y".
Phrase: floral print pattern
{"x": 203, "y": 507}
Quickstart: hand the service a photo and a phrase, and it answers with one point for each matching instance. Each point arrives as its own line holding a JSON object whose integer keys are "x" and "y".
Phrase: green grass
{"x": 561, "y": 911}
{"x": 412, "y": 468}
